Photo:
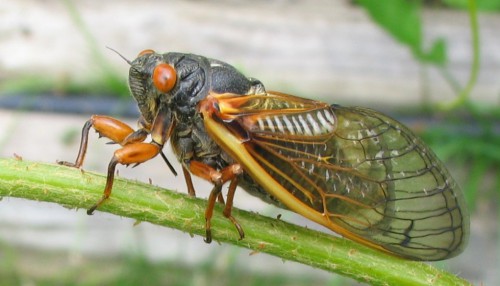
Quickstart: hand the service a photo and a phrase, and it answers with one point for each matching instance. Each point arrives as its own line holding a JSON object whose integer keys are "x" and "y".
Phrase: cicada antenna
{"x": 121, "y": 56}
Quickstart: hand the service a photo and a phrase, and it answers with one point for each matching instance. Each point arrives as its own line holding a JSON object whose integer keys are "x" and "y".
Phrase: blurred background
{"x": 414, "y": 60}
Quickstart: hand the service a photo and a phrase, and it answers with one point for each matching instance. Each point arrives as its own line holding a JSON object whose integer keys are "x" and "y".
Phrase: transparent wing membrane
{"x": 366, "y": 172}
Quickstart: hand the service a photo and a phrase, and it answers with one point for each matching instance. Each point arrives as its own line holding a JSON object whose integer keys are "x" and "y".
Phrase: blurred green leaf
{"x": 399, "y": 17}
{"x": 437, "y": 54}
{"x": 402, "y": 20}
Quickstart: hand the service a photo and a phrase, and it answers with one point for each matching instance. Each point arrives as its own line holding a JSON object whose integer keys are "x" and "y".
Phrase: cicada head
{"x": 152, "y": 79}
{"x": 181, "y": 81}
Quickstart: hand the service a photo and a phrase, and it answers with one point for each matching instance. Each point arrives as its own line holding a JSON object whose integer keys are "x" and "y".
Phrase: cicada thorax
{"x": 194, "y": 78}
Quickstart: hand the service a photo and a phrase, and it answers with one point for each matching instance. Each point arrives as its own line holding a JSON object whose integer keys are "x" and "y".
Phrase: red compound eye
{"x": 145, "y": 52}
{"x": 164, "y": 77}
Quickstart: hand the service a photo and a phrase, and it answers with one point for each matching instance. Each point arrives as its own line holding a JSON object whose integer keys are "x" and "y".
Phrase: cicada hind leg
{"x": 218, "y": 178}
{"x": 133, "y": 150}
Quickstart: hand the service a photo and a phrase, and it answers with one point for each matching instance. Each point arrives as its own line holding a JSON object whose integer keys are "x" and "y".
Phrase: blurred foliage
{"x": 99, "y": 84}
{"x": 20, "y": 266}
{"x": 477, "y": 151}
{"x": 103, "y": 78}
{"x": 108, "y": 80}
{"x": 483, "y": 5}
{"x": 402, "y": 20}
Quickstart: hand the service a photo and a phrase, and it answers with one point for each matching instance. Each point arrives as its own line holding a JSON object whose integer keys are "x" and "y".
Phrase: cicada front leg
{"x": 108, "y": 127}
{"x": 134, "y": 151}
{"x": 218, "y": 178}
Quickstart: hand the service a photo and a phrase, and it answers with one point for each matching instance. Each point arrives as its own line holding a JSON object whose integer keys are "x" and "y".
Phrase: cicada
{"x": 353, "y": 170}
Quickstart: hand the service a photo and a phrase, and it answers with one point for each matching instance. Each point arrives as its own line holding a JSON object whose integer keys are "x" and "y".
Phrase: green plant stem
{"x": 74, "y": 188}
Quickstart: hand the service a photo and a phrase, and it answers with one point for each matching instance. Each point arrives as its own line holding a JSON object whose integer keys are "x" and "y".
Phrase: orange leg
{"x": 190, "y": 186}
{"x": 218, "y": 178}
{"x": 229, "y": 206}
{"x": 109, "y": 127}
{"x": 189, "y": 182}
{"x": 209, "y": 211}
{"x": 134, "y": 153}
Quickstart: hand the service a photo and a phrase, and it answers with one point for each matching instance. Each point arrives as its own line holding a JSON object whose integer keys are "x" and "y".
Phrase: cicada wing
{"x": 416, "y": 208}
{"x": 354, "y": 170}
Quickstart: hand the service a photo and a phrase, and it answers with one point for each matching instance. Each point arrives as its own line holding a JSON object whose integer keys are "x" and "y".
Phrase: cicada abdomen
{"x": 353, "y": 170}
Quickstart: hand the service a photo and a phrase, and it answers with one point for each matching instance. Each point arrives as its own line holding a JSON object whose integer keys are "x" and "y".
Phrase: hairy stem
{"x": 74, "y": 188}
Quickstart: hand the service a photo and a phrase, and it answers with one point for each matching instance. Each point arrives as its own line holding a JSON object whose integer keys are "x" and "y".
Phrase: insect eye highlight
{"x": 145, "y": 52}
{"x": 164, "y": 77}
